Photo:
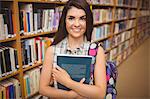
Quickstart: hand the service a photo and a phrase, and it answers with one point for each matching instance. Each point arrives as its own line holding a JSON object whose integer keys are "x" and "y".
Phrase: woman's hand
{"x": 75, "y": 95}
{"x": 61, "y": 76}
{"x": 51, "y": 81}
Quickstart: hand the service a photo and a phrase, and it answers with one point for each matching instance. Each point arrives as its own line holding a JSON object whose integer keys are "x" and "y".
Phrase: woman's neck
{"x": 74, "y": 42}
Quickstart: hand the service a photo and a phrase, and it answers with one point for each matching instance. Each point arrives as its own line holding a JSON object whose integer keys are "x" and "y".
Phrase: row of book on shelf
{"x": 33, "y": 50}
{"x": 122, "y": 37}
{"x": 102, "y": 15}
{"x": 6, "y": 24}
{"x": 39, "y": 20}
{"x": 105, "y": 15}
{"x": 104, "y": 31}
{"x": 122, "y": 13}
{"x": 118, "y": 2}
{"x": 8, "y": 61}
{"x": 124, "y": 25}
{"x": 117, "y": 40}
{"x": 142, "y": 20}
{"x": 11, "y": 89}
{"x": 120, "y": 52}
{"x": 123, "y": 50}
{"x": 47, "y": 19}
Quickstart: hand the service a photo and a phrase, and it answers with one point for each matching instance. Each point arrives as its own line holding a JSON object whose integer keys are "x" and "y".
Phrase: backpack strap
{"x": 111, "y": 71}
{"x": 93, "y": 48}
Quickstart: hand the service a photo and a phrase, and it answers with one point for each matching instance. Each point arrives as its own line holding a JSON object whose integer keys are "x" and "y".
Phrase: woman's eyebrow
{"x": 70, "y": 16}
{"x": 74, "y": 16}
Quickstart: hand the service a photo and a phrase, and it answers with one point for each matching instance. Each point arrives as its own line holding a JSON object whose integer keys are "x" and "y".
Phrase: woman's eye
{"x": 70, "y": 18}
{"x": 83, "y": 18}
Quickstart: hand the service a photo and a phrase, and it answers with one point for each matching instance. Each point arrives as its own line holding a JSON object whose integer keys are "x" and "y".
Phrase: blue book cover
{"x": 77, "y": 66}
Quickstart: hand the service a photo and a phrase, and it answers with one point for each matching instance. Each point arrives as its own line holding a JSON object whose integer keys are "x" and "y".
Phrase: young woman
{"x": 73, "y": 37}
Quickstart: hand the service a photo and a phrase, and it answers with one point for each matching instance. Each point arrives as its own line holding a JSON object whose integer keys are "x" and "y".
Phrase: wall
{"x": 133, "y": 76}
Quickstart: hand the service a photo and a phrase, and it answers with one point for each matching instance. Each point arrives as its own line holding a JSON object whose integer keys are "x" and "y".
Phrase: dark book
{"x": 3, "y": 65}
{"x": 7, "y": 59}
{"x": 30, "y": 55}
{"x": 2, "y": 62}
{"x": 24, "y": 55}
{"x": 16, "y": 59}
{"x": 77, "y": 66}
{"x": 7, "y": 14}
{"x": 21, "y": 21}
{"x": 39, "y": 17}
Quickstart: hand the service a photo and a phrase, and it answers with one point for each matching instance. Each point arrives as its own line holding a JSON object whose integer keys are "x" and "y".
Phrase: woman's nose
{"x": 76, "y": 23}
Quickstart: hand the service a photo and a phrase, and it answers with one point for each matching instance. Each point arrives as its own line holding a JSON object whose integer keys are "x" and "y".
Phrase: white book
{"x": 45, "y": 24}
{"x": 33, "y": 54}
{"x": 27, "y": 85}
{"x": 2, "y": 34}
{"x": 35, "y": 23}
{"x": 12, "y": 59}
{"x": 6, "y": 31}
{"x": 49, "y": 20}
{"x": 31, "y": 21}
{"x": 38, "y": 42}
{"x": 30, "y": 74}
{"x": 37, "y": 79}
{"x": 34, "y": 81}
{"x": 27, "y": 43}
{"x": 116, "y": 28}
{"x": 52, "y": 19}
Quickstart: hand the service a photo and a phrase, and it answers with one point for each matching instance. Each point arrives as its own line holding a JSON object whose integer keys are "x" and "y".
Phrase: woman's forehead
{"x": 73, "y": 11}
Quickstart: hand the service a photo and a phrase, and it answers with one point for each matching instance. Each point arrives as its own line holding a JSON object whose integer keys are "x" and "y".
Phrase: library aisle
{"x": 134, "y": 74}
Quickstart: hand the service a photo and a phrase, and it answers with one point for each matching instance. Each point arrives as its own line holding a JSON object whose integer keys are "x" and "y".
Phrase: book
{"x": 77, "y": 66}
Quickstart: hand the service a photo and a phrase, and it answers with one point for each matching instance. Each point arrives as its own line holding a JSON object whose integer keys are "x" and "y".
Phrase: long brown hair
{"x": 62, "y": 32}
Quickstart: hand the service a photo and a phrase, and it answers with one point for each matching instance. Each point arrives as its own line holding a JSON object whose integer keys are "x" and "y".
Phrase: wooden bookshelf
{"x": 38, "y": 34}
{"x": 10, "y": 75}
{"x": 137, "y": 16}
{"x": 8, "y": 39}
{"x": 33, "y": 66}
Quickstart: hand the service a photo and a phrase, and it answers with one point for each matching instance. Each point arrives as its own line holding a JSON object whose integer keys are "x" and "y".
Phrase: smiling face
{"x": 76, "y": 22}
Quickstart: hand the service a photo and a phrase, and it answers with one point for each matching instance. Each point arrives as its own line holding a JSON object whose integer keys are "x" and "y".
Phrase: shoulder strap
{"x": 111, "y": 71}
{"x": 92, "y": 51}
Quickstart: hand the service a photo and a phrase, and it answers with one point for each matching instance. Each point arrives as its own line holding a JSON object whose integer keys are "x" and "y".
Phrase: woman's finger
{"x": 82, "y": 80}
{"x": 59, "y": 68}
{"x": 54, "y": 70}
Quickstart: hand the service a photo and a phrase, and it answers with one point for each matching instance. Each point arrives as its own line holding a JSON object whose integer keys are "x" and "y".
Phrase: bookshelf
{"x": 120, "y": 25}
